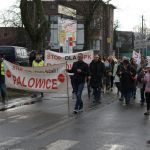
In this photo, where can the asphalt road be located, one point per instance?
(46, 126)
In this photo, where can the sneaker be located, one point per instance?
(146, 113)
(80, 110)
(75, 112)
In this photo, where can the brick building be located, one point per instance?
(101, 27)
(13, 36)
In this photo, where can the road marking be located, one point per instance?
(112, 147)
(17, 116)
(13, 141)
(61, 145)
(23, 117)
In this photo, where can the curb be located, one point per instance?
(11, 106)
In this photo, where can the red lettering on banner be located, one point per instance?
(14, 79)
(19, 81)
(69, 66)
(23, 82)
(54, 84)
(40, 83)
(48, 87)
(16, 67)
(51, 56)
(90, 57)
(87, 57)
(36, 83)
(31, 82)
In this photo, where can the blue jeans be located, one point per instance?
(3, 91)
(78, 92)
(97, 94)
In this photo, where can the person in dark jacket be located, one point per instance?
(81, 72)
(127, 77)
(96, 73)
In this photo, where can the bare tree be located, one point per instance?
(11, 17)
(116, 25)
(34, 21)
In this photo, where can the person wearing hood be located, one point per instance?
(96, 73)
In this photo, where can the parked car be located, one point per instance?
(15, 54)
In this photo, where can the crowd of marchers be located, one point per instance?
(103, 74)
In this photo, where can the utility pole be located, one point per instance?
(142, 24)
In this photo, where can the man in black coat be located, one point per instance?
(81, 72)
(97, 70)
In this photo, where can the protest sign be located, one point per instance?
(52, 58)
(39, 79)
(137, 57)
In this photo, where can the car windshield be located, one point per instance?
(21, 53)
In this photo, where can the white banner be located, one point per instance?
(52, 58)
(137, 57)
(40, 79)
(148, 59)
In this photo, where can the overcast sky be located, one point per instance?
(128, 12)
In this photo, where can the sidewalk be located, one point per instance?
(18, 102)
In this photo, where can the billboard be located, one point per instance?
(66, 29)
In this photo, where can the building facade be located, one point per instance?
(64, 25)
(101, 25)
(13, 36)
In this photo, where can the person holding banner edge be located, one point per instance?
(81, 72)
(38, 62)
(2, 79)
